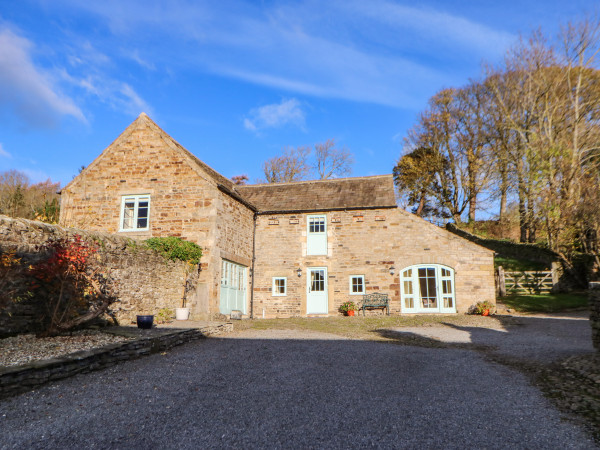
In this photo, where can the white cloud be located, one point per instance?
(118, 95)
(275, 115)
(378, 51)
(135, 56)
(26, 89)
(4, 153)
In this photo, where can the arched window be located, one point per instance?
(427, 288)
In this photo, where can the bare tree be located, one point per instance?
(332, 162)
(292, 165)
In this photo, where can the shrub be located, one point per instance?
(13, 279)
(175, 248)
(71, 284)
(165, 315)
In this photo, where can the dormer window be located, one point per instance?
(135, 213)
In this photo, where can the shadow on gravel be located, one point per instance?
(556, 353)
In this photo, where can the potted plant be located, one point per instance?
(348, 308)
(484, 308)
(183, 313)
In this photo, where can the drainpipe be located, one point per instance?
(252, 269)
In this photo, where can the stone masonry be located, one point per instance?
(363, 242)
(145, 282)
(185, 202)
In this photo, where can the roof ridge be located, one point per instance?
(329, 180)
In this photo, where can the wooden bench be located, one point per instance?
(376, 300)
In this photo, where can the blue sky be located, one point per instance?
(234, 82)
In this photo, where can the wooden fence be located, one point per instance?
(526, 283)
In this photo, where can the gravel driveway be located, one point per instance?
(540, 338)
(291, 389)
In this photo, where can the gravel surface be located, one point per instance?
(291, 389)
(541, 338)
(26, 348)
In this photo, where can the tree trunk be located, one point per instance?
(503, 195)
(421, 206)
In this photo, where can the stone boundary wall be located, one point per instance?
(595, 313)
(144, 281)
(15, 380)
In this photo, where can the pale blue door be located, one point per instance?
(316, 291)
(233, 287)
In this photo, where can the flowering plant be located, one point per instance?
(348, 306)
(481, 307)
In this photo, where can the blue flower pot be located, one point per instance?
(145, 322)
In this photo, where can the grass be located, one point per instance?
(358, 326)
(519, 265)
(545, 302)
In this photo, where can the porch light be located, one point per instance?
(392, 270)
(299, 272)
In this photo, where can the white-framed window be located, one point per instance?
(135, 213)
(279, 286)
(427, 288)
(357, 284)
(316, 235)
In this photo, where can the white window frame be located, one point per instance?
(416, 296)
(275, 292)
(362, 277)
(136, 198)
(316, 242)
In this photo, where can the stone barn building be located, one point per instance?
(277, 250)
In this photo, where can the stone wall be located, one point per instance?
(144, 281)
(185, 201)
(595, 313)
(365, 242)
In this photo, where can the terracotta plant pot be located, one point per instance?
(350, 313)
(485, 312)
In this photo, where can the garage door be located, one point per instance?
(233, 287)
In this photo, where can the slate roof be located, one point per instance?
(320, 195)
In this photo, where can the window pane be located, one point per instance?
(280, 286)
(408, 287)
(427, 287)
(316, 225)
(358, 285)
(407, 273)
(448, 302)
(409, 302)
(128, 211)
(317, 281)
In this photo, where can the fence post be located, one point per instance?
(556, 274)
(500, 282)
